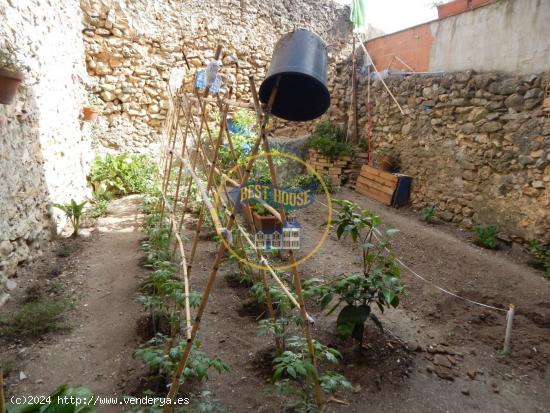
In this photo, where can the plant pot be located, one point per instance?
(265, 223)
(387, 163)
(9, 81)
(89, 114)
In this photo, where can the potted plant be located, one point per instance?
(263, 219)
(90, 112)
(389, 160)
(10, 76)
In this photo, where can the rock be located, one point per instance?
(22, 376)
(444, 373)
(514, 101)
(441, 360)
(465, 391)
(11, 284)
(471, 374)
(5, 248)
(491, 126)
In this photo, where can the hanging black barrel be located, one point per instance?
(300, 61)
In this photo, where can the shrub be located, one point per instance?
(428, 214)
(541, 255)
(99, 208)
(329, 141)
(378, 282)
(485, 235)
(123, 174)
(35, 318)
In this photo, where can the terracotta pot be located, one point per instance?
(89, 114)
(265, 223)
(9, 81)
(387, 163)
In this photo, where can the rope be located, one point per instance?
(405, 266)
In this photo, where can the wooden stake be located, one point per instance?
(509, 323)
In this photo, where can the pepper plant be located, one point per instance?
(377, 283)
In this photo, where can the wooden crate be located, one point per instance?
(376, 184)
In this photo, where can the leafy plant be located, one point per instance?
(35, 318)
(123, 174)
(311, 181)
(64, 399)
(164, 362)
(329, 141)
(294, 373)
(428, 214)
(99, 208)
(74, 212)
(541, 254)
(378, 282)
(485, 235)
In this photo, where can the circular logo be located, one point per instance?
(244, 259)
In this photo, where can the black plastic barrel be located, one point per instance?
(300, 60)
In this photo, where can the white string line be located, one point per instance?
(431, 282)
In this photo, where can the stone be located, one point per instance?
(491, 126)
(444, 373)
(441, 360)
(514, 101)
(5, 248)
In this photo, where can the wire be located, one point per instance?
(431, 282)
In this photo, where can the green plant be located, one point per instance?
(541, 254)
(63, 400)
(164, 362)
(294, 373)
(486, 235)
(428, 214)
(99, 208)
(329, 141)
(74, 211)
(377, 283)
(123, 174)
(35, 318)
(311, 181)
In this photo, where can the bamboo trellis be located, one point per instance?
(186, 124)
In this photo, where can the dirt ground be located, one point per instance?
(438, 354)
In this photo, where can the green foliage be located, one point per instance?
(35, 318)
(74, 212)
(99, 208)
(294, 373)
(329, 141)
(243, 140)
(486, 235)
(379, 283)
(428, 214)
(541, 254)
(311, 181)
(63, 400)
(123, 174)
(164, 362)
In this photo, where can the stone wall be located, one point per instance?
(476, 144)
(43, 154)
(132, 46)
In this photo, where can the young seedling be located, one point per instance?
(74, 212)
(485, 236)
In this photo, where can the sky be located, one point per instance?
(394, 15)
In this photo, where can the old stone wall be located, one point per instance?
(132, 46)
(476, 144)
(43, 154)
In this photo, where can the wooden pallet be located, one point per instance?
(376, 184)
